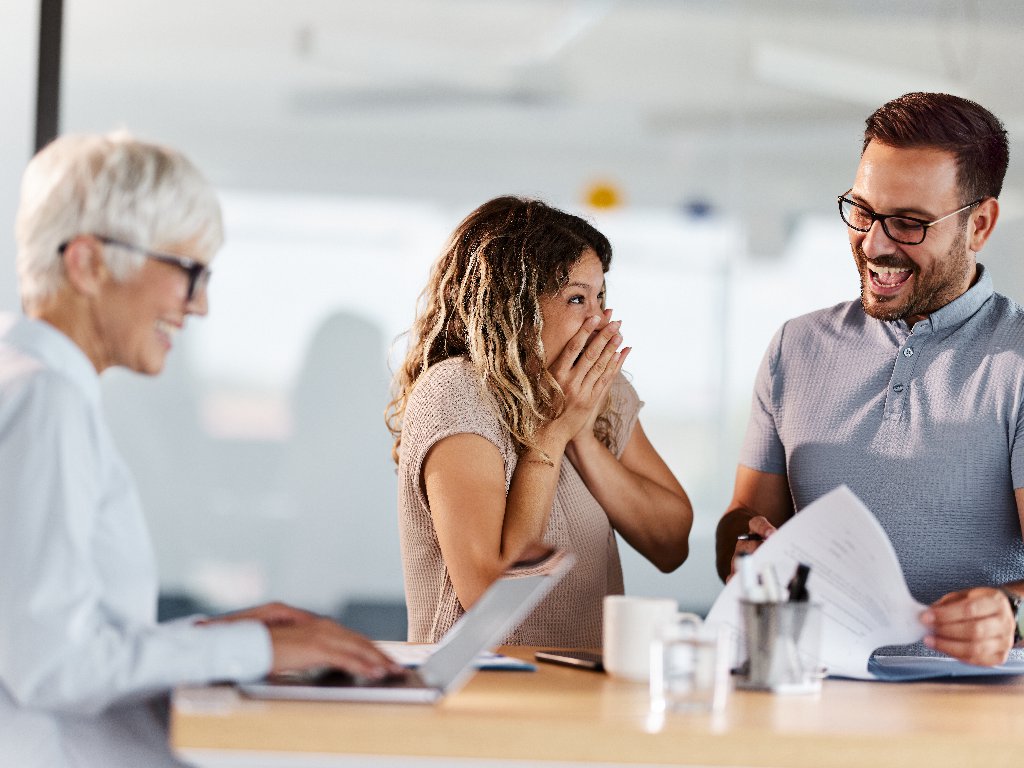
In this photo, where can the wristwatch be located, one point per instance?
(1017, 608)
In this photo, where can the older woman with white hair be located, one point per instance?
(115, 238)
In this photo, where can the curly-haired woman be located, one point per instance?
(515, 430)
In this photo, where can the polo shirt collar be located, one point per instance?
(960, 309)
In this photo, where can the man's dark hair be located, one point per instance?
(975, 137)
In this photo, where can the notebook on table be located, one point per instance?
(502, 607)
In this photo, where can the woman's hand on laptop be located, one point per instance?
(321, 642)
(304, 640)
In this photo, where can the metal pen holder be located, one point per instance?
(783, 647)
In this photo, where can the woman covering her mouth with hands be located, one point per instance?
(516, 431)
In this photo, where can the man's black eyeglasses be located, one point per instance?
(905, 230)
(198, 273)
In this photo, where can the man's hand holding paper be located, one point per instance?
(974, 625)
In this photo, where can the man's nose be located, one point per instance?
(876, 242)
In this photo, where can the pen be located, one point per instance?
(798, 594)
(750, 537)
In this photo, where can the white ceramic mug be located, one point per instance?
(630, 624)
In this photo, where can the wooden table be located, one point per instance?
(563, 714)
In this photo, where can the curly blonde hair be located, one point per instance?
(482, 302)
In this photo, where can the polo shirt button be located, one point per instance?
(897, 388)
(908, 352)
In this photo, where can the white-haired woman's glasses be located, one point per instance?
(198, 273)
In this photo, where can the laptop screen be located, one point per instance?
(494, 615)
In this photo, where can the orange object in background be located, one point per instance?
(603, 195)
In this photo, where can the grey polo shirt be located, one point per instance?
(925, 425)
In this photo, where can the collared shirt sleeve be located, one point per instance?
(74, 638)
(762, 448)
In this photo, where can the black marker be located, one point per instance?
(798, 584)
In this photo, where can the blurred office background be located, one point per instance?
(707, 138)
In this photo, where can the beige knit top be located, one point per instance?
(447, 401)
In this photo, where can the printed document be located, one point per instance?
(856, 577)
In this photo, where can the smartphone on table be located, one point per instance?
(572, 658)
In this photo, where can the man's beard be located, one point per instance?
(930, 292)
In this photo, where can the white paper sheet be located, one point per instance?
(855, 576)
(412, 655)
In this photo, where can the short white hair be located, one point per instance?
(115, 186)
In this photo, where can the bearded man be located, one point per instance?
(914, 395)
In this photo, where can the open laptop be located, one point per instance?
(494, 615)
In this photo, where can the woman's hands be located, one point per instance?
(321, 642)
(585, 370)
(638, 492)
(304, 640)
